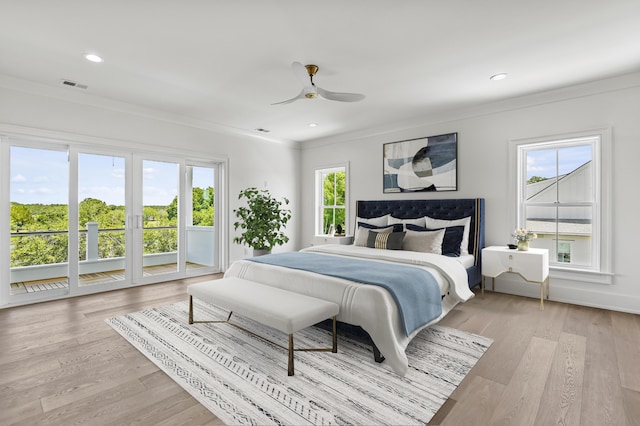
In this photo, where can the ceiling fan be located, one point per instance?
(310, 91)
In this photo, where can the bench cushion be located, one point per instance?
(281, 309)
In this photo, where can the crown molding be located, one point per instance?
(612, 84)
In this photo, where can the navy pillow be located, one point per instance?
(452, 237)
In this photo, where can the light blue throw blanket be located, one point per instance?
(415, 291)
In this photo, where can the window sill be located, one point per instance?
(581, 275)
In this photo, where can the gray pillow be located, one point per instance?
(424, 241)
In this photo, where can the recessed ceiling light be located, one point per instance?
(497, 77)
(92, 57)
(312, 124)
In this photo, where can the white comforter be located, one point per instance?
(368, 306)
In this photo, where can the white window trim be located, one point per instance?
(603, 173)
(318, 195)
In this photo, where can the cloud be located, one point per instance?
(18, 178)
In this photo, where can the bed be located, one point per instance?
(374, 308)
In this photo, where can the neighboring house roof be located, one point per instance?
(538, 191)
(570, 187)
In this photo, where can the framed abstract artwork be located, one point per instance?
(421, 165)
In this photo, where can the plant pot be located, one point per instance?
(523, 245)
(260, 252)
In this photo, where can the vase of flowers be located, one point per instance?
(522, 236)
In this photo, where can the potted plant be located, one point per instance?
(261, 221)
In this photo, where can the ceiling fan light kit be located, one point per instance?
(310, 91)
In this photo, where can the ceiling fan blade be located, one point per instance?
(288, 101)
(340, 97)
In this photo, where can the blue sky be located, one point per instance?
(543, 162)
(41, 176)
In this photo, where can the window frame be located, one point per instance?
(73, 145)
(600, 271)
(319, 196)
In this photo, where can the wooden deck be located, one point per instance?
(90, 279)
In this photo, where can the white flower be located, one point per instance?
(522, 234)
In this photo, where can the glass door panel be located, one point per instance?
(201, 234)
(159, 219)
(101, 219)
(39, 193)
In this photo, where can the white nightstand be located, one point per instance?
(319, 240)
(531, 265)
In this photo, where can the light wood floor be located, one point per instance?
(61, 364)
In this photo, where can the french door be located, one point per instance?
(82, 220)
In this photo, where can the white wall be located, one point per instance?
(483, 149)
(251, 161)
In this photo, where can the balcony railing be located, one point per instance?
(200, 242)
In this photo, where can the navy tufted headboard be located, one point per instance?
(439, 209)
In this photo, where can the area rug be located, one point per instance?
(242, 379)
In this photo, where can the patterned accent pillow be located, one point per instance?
(452, 238)
(385, 240)
(362, 233)
(424, 241)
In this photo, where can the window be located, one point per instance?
(79, 219)
(331, 200)
(564, 252)
(561, 196)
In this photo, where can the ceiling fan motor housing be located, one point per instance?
(310, 92)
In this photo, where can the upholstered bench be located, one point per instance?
(281, 309)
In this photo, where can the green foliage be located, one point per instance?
(91, 210)
(334, 191)
(38, 250)
(51, 247)
(20, 217)
(160, 241)
(262, 220)
(203, 210)
(535, 179)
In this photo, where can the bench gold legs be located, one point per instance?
(290, 368)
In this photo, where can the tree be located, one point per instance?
(202, 207)
(91, 210)
(535, 179)
(334, 195)
(20, 216)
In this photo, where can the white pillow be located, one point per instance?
(375, 221)
(423, 241)
(418, 221)
(442, 223)
(362, 234)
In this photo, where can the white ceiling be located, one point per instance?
(225, 62)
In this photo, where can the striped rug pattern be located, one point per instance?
(243, 379)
